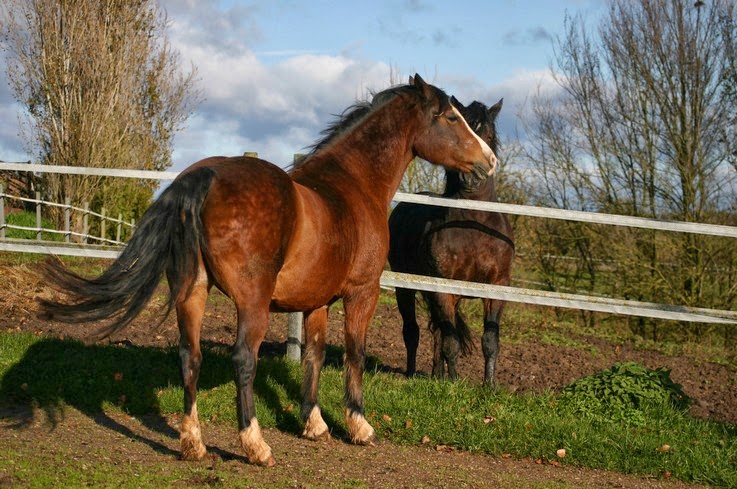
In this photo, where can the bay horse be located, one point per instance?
(461, 244)
(278, 241)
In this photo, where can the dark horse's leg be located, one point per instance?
(314, 358)
(359, 308)
(252, 307)
(490, 339)
(189, 318)
(410, 328)
(446, 343)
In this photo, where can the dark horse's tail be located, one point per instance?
(464, 334)
(168, 238)
(465, 337)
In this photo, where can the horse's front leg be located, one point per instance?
(359, 308)
(410, 328)
(315, 328)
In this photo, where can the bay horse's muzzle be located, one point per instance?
(482, 172)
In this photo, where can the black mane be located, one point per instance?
(355, 113)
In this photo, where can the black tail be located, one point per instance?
(465, 337)
(168, 237)
(464, 334)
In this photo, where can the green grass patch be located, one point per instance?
(51, 373)
(28, 220)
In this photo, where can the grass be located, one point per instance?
(28, 220)
(51, 373)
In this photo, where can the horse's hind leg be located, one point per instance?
(490, 339)
(253, 320)
(447, 345)
(410, 328)
(189, 319)
(315, 328)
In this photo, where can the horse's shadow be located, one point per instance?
(54, 373)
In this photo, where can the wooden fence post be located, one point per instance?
(120, 225)
(86, 222)
(294, 336)
(294, 323)
(38, 215)
(2, 212)
(67, 220)
(103, 221)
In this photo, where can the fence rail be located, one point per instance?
(469, 289)
(67, 232)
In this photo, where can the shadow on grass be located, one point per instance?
(53, 373)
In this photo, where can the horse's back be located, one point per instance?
(408, 224)
(475, 246)
(263, 226)
(452, 243)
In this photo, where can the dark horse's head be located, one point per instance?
(482, 120)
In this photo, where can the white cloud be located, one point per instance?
(275, 110)
(515, 90)
(275, 105)
(251, 104)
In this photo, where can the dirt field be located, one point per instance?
(524, 366)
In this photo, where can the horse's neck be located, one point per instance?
(485, 192)
(376, 167)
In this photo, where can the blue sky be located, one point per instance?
(274, 73)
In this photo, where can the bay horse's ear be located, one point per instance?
(411, 80)
(456, 103)
(418, 82)
(495, 109)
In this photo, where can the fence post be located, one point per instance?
(103, 221)
(67, 220)
(2, 211)
(294, 338)
(251, 154)
(86, 222)
(120, 225)
(38, 215)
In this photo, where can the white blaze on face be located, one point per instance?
(488, 153)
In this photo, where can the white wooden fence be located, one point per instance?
(392, 279)
(67, 232)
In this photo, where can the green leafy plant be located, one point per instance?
(623, 393)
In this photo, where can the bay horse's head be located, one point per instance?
(482, 120)
(447, 138)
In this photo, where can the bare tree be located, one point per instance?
(643, 127)
(421, 176)
(102, 88)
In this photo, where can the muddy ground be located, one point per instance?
(527, 363)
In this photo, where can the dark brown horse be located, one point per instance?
(474, 246)
(273, 241)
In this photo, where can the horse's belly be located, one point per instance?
(312, 275)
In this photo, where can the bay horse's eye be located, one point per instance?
(452, 117)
